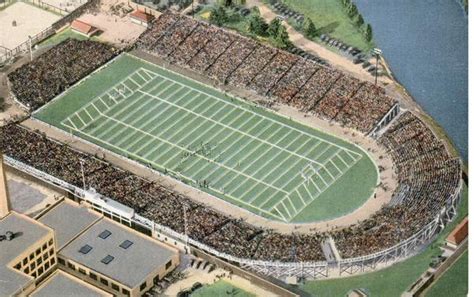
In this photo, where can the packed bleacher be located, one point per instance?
(48, 75)
(427, 175)
(245, 63)
(154, 201)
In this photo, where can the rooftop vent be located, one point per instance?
(85, 249)
(107, 259)
(104, 234)
(126, 244)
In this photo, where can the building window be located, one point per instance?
(39, 261)
(82, 271)
(142, 286)
(60, 261)
(33, 266)
(115, 287)
(40, 271)
(38, 251)
(34, 274)
(32, 256)
(70, 265)
(45, 246)
(18, 266)
(168, 265)
(45, 256)
(51, 252)
(46, 266)
(104, 281)
(25, 261)
(93, 276)
(53, 261)
(125, 292)
(27, 270)
(51, 242)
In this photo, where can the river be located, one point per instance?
(426, 45)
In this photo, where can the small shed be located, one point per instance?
(83, 28)
(458, 234)
(141, 18)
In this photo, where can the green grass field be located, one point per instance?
(244, 154)
(220, 289)
(330, 18)
(392, 281)
(453, 282)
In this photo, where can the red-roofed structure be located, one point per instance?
(458, 234)
(141, 18)
(83, 28)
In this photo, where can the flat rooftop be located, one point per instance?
(68, 219)
(63, 284)
(118, 252)
(27, 232)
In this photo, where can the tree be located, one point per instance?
(274, 27)
(368, 33)
(257, 25)
(282, 39)
(218, 16)
(309, 28)
(352, 10)
(359, 21)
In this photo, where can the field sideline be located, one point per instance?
(210, 140)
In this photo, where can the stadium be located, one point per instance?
(199, 105)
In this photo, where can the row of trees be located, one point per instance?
(353, 13)
(256, 25)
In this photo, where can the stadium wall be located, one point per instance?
(281, 270)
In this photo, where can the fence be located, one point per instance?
(8, 54)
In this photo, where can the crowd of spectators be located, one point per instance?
(427, 176)
(287, 78)
(36, 83)
(154, 201)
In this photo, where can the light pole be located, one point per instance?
(376, 52)
(83, 176)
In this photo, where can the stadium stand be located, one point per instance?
(428, 176)
(287, 78)
(36, 83)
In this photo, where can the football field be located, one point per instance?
(239, 152)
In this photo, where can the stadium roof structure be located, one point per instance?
(26, 233)
(68, 220)
(118, 252)
(60, 282)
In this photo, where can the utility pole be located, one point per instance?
(376, 52)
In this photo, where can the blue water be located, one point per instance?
(426, 44)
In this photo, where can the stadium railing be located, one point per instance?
(308, 270)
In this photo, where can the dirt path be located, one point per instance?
(336, 60)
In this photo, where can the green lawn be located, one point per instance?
(392, 281)
(221, 289)
(63, 35)
(248, 156)
(330, 18)
(454, 282)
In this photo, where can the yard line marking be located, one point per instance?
(251, 111)
(231, 128)
(210, 160)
